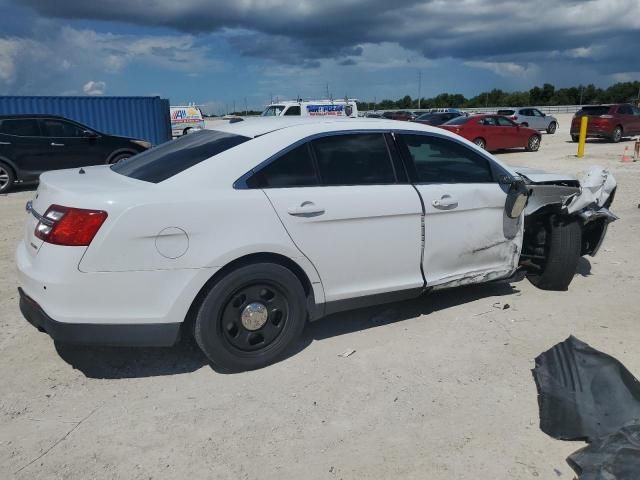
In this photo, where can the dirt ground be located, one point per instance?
(438, 388)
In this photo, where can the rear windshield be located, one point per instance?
(171, 158)
(506, 112)
(595, 110)
(458, 121)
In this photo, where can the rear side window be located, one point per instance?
(173, 157)
(594, 110)
(293, 169)
(59, 128)
(23, 127)
(354, 159)
(458, 121)
(438, 160)
(625, 110)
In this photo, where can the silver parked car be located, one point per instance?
(531, 117)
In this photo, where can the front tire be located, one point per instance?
(551, 129)
(533, 144)
(563, 252)
(575, 138)
(250, 317)
(7, 178)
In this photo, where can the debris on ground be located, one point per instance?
(584, 394)
(347, 353)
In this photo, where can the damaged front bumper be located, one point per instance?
(586, 197)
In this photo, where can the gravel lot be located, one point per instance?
(438, 388)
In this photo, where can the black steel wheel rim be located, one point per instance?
(236, 333)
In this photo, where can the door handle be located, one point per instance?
(306, 209)
(446, 202)
(54, 144)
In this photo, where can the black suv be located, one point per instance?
(32, 144)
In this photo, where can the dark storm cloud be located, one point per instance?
(298, 31)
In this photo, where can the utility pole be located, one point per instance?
(582, 90)
(419, 87)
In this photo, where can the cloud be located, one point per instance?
(296, 31)
(504, 69)
(94, 88)
(58, 59)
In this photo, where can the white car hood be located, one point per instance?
(536, 175)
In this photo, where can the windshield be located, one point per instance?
(458, 121)
(273, 111)
(173, 157)
(595, 110)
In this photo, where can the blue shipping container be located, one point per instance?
(144, 118)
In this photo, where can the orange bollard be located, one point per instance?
(625, 156)
(636, 151)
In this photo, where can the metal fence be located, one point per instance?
(547, 109)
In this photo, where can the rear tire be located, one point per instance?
(575, 138)
(616, 136)
(120, 157)
(563, 253)
(481, 143)
(551, 129)
(7, 178)
(533, 144)
(250, 317)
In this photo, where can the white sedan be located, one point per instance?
(240, 236)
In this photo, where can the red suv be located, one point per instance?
(608, 121)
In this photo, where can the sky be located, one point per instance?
(221, 53)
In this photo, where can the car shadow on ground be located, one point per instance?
(185, 357)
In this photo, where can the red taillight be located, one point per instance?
(514, 117)
(73, 227)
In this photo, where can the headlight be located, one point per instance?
(142, 143)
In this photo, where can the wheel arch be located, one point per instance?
(314, 310)
(119, 151)
(12, 166)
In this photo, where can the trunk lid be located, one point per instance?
(98, 188)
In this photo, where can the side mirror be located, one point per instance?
(89, 134)
(516, 199)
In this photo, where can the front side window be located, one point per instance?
(636, 110)
(22, 127)
(505, 122)
(439, 160)
(354, 159)
(58, 128)
(293, 169)
(175, 156)
(537, 113)
(292, 111)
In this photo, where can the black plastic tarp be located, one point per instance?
(584, 394)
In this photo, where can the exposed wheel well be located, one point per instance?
(263, 257)
(11, 167)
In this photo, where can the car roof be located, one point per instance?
(32, 115)
(256, 127)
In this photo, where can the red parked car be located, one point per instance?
(611, 122)
(494, 132)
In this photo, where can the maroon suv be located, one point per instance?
(608, 121)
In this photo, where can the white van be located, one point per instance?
(184, 119)
(313, 108)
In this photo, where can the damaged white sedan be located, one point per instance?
(240, 236)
